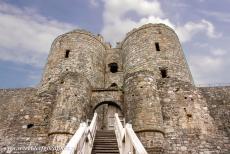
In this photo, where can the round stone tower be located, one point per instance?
(77, 51)
(150, 52)
(75, 66)
(143, 109)
(140, 92)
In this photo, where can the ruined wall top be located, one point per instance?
(98, 37)
(149, 25)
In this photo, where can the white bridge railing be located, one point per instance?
(128, 141)
(82, 140)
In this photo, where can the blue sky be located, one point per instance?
(28, 27)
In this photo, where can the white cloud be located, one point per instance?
(116, 31)
(218, 52)
(115, 9)
(117, 22)
(209, 67)
(26, 36)
(222, 16)
(206, 63)
(187, 31)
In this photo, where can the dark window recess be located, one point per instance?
(157, 46)
(113, 85)
(30, 125)
(189, 115)
(113, 67)
(164, 73)
(67, 53)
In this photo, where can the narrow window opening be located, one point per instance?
(189, 115)
(177, 89)
(157, 46)
(30, 125)
(67, 53)
(113, 67)
(164, 73)
(113, 85)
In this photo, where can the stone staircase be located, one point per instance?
(105, 143)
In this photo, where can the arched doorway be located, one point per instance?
(105, 112)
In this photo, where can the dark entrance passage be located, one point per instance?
(106, 111)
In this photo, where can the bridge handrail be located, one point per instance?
(82, 140)
(119, 131)
(127, 139)
(92, 129)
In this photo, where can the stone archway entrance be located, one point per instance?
(106, 111)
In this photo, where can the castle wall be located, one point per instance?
(86, 56)
(189, 128)
(24, 119)
(218, 100)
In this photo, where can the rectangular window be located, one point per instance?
(164, 73)
(157, 46)
(67, 53)
(113, 67)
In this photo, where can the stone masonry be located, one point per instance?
(146, 77)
